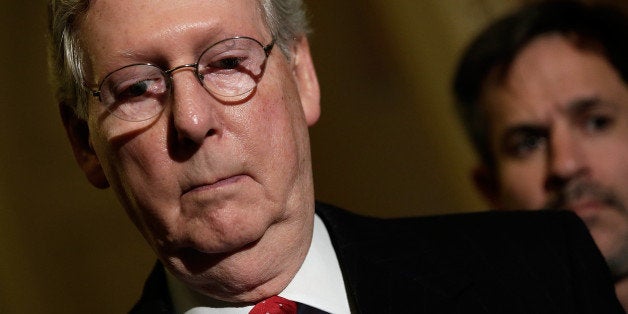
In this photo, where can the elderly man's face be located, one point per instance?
(559, 134)
(216, 188)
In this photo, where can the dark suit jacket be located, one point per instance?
(492, 262)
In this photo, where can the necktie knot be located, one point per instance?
(275, 305)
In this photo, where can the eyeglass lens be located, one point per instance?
(229, 70)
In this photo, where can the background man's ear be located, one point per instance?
(486, 183)
(78, 134)
(307, 81)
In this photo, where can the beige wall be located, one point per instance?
(387, 144)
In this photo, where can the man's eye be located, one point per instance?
(139, 90)
(135, 90)
(227, 63)
(523, 145)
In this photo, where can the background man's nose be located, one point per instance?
(565, 160)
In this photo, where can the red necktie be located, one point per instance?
(275, 305)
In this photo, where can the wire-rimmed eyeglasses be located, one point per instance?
(229, 70)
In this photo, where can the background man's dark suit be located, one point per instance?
(514, 262)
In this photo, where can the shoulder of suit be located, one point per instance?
(487, 221)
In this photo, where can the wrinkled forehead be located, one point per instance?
(119, 28)
(147, 19)
(550, 71)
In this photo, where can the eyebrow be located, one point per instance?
(132, 55)
(582, 105)
(123, 57)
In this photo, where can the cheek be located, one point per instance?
(139, 151)
(277, 133)
(274, 130)
(135, 161)
(142, 179)
(522, 186)
(611, 170)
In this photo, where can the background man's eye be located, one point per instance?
(598, 123)
(520, 146)
(530, 142)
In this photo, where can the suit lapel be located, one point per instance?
(155, 296)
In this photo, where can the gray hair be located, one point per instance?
(286, 20)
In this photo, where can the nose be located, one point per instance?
(566, 159)
(194, 114)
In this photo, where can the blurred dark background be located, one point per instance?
(387, 144)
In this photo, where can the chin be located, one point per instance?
(224, 276)
(209, 243)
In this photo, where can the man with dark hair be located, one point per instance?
(543, 94)
(196, 114)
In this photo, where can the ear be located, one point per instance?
(485, 181)
(306, 79)
(78, 134)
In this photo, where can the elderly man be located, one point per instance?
(543, 93)
(195, 113)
